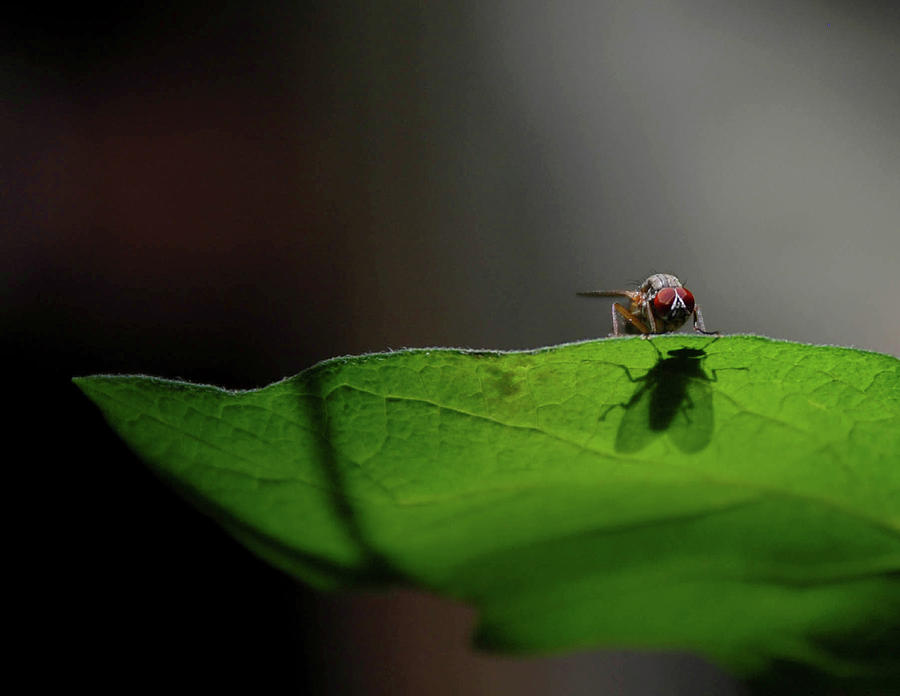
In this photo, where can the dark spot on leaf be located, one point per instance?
(501, 382)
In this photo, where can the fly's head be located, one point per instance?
(672, 306)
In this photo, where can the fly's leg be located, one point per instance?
(617, 330)
(699, 326)
(648, 312)
(618, 309)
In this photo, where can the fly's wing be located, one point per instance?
(630, 294)
(692, 422)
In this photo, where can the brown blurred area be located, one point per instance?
(230, 192)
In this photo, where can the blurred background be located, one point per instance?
(230, 192)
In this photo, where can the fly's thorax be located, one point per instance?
(657, 282)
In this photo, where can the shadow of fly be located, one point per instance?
(673, 397)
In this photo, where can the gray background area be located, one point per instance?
(233, 196)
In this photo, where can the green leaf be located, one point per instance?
(738, 497)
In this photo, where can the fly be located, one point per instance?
(662, 304)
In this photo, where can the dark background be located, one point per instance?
(229, 193)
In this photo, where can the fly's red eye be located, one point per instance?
(663, 300)
(687, 298)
